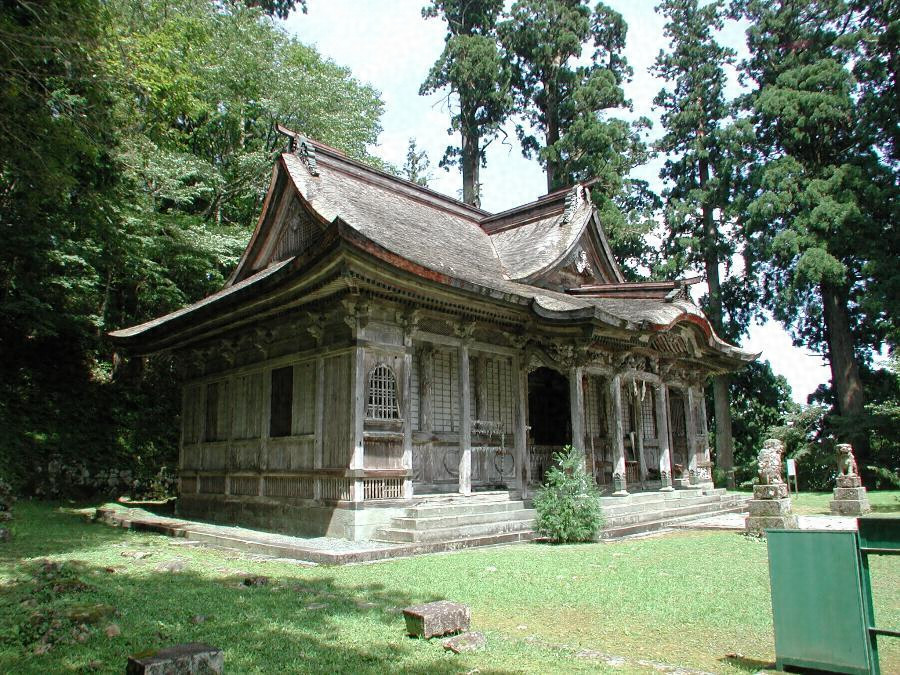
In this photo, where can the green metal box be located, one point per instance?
(817, 601)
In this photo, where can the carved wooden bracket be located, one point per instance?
(356, 313)
(464, 330)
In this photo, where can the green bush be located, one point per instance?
(568, 504)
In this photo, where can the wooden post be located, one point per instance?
(662, 433)
(318, 447)
(691, 433)
(617, 442)
(520, 386)
(465, 422)
(406, 394)
(357, 461)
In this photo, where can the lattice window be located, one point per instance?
(648, 414)
(497, 389)
(699, 418)
(383, 403)
(414, 394)
(627, 410)
(445, 390)
(594, 414)
(300, 233)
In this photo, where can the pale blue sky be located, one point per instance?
(387, 44)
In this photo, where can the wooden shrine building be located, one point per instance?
(379, 341)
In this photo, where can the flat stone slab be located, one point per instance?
(193, 658)
(465, 642)
(737, 521)
(435, 619)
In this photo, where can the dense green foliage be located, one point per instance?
(700, 150)
(568, 503)
(822, 191)
(472, 67)
(138, 138)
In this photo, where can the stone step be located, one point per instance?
(618, 531)
(445, 534)
(455, 497)
(432, 511)
(458, 520)
(625, 508)
(672, 512)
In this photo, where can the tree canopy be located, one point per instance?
(138, 139)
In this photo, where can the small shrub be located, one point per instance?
(568, 504)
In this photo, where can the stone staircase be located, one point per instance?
(455, 521)
(452, 521)
(650, 511)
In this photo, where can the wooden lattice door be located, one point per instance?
(678, 424)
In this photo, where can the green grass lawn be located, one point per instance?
(816, 503)
(698, 600)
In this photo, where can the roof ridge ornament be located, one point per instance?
(575, 198)
(301, 146)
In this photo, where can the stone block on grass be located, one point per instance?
(193, 658)
(435, 619)
(465, 642)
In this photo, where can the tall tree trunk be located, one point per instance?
(721, 398)
(552, 115)
(470, 159)
(845, 378)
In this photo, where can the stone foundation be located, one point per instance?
(770, 508)
(850, 497)
(353, 521)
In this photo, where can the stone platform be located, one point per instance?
(770, 508)
(850, 497)
(439, 523)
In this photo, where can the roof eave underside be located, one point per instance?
(155, 335)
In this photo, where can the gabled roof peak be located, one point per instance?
(341, 162)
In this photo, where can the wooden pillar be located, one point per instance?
(704, 474)
(617, 443)
(406, 402)
(520, 391)
(576, 407)
(465, 422)
(662, 432)
(357, 461)
(691, 432)
(318, 443)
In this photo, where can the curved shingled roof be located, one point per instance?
(448, 238)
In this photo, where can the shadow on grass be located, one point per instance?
(299, 620)
(748, 664)
(886, 508)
